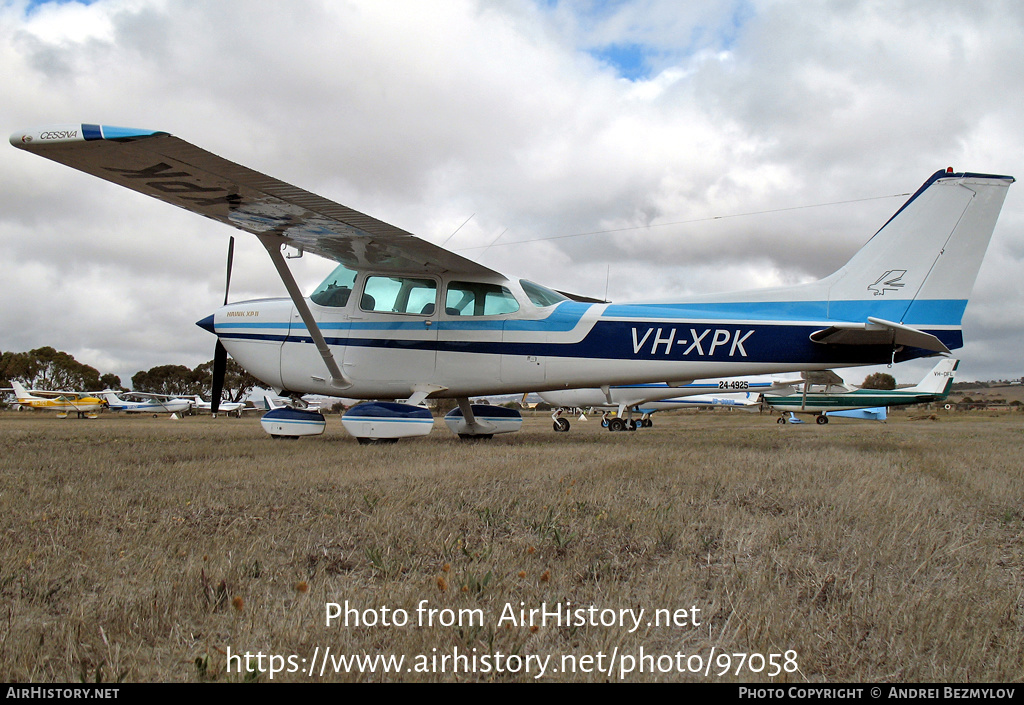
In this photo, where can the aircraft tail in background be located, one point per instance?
(940, 380)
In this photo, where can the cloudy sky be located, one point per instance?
(592, 146)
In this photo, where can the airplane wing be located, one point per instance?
(150, 396)
(172, 170)
(823, 377)
(57, 394)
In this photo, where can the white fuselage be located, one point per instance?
(564, 345)
(149, 406)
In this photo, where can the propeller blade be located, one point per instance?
(220, 364)
(220, 353)
(231, 255)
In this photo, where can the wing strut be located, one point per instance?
(273, 245)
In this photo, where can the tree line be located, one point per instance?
(47, 368)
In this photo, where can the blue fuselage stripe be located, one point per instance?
(926, 312)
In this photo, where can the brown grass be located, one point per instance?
(143, 549)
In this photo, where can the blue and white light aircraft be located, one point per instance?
(646, 399)
(146, 403)
(401, 318)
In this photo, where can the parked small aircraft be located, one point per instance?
(226, 407)
(63, 403)
(147, 403)
(401, 318)
(276, 402)
(649, 398)
(824, 394)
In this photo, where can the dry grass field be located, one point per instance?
(141, 549)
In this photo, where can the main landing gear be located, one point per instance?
(820, 419)
(616, 423)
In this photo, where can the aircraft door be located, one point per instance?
(469, 354)
(392, 333)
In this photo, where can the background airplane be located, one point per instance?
(401, 318)
(648, 398)
(147, 403)
(271, 401)
(819, 397)
(742, 400)
(63, 403)
(226, 407)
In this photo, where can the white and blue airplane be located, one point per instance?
(403, 319)
(646, 399)
(227, 407)
(146, 403)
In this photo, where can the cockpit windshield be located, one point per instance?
(336, 288)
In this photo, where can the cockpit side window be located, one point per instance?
(541, 295)
(336, 288)
(399, 295)
(477, 299)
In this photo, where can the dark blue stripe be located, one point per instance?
(486, 411)
(289, 414)
(615, 340)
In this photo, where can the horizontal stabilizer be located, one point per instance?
(878, 332)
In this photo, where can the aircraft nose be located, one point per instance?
(207, 324)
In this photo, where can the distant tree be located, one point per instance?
(10, 367)
(879, 380)
(111, 381)
(47, 368)
(237, 382)
(168, 379)
(441, 407)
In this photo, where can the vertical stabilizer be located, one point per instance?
(20, 391)
(920, 268)
(940, 380)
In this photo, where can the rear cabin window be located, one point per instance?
(476, 299)
(399, 295)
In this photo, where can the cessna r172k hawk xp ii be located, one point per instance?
(403, 319)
